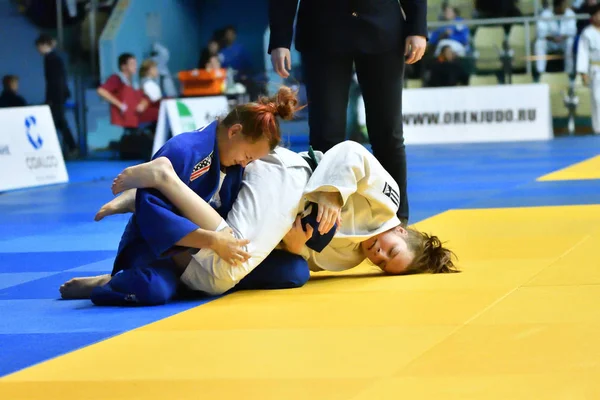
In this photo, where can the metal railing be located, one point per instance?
(526, 21)
(571, 100)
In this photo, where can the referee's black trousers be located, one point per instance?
(328, 76)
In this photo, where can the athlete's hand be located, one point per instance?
(297, 237)
(330, 211)
(229, 248)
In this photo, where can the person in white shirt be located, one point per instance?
(352, 190)
(556, 35)
(149, 80)
(588, 63)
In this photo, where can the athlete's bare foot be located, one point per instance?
(81, 288)
(146, 175)
(125, 203)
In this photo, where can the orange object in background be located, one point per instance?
(202, 82)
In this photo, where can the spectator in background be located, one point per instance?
(120, 90)
(454, 35)
(57, 90)
(208, 53)
(588, 63)
(151, 89)
(581, 7)
(213, 63)
(149, 81)
(555, 35)
(10, 96)
(233, 54)
(446, 71)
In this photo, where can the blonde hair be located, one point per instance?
(146, 66)
(431, 257)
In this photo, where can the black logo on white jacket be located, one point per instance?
(392, 193)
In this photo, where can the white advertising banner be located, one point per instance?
(30, 153)
(185, 115)
(475, 114)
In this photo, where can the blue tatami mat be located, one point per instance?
(87, 171)
(47, 236)
(536, 194)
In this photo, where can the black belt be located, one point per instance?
(311, 159)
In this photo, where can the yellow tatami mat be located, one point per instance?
(588, 169)
(521, 322)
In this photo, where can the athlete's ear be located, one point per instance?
(234, 130)
(401, 231)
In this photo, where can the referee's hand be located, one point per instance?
(415, 48)
(282, 61)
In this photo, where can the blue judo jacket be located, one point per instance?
(151, 233)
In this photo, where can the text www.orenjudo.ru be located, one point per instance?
(471, 117)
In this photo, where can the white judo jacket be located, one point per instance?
(370, 202)
(277, 188)
(588, 51)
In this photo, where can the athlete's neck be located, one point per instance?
(221, 137)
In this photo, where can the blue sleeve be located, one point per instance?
(157, 218)
(435, 35)
(461, 35)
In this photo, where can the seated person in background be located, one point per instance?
(555, 35)
(126, 100)
(213, 64)
(454, 35)
(149, 78)
(233, 54)
(151, 90)
(447, 71)
(208, 53)
(9, 96)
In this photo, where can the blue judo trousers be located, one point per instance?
(143, 272)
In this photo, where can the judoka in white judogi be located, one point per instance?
(277, 188)
(588, 64)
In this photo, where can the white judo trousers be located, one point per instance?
(264, 211)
